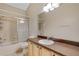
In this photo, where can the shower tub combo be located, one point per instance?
(13, 49)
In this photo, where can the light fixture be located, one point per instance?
(45, 9)
(50, 7)
(21, 21)
(55, 5)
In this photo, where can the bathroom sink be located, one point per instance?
(46, 42)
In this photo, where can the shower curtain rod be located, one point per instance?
(23, 16)
(14, 17)
(5, 11)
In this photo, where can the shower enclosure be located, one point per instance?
(8, 32)
(11, 30)
(22, 30)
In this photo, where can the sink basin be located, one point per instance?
(46, 42)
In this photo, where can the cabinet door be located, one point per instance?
(35, 50)
(30, 52)
(52, 53)
(45, 52)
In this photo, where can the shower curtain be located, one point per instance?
(22, 29)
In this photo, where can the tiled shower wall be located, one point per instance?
(8, 32)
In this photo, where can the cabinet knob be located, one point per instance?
(39, 47)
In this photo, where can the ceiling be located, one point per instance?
(22, 6)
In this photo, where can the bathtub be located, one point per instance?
(8, 49)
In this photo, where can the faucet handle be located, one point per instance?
(49, 37)
(0, 38)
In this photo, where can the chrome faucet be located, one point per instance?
(48, 38)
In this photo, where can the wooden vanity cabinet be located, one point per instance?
(56, 54)
(45, 52)
(33, 49)
(30, 48)
(36, 50)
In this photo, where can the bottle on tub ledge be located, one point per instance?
(32, 37)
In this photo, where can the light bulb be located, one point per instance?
(55, 5)
(51, 9)
(45, 9)
(48, 6)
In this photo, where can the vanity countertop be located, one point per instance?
(58, 47)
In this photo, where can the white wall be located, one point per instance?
(63, 22)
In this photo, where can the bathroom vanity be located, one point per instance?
(56, 49)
